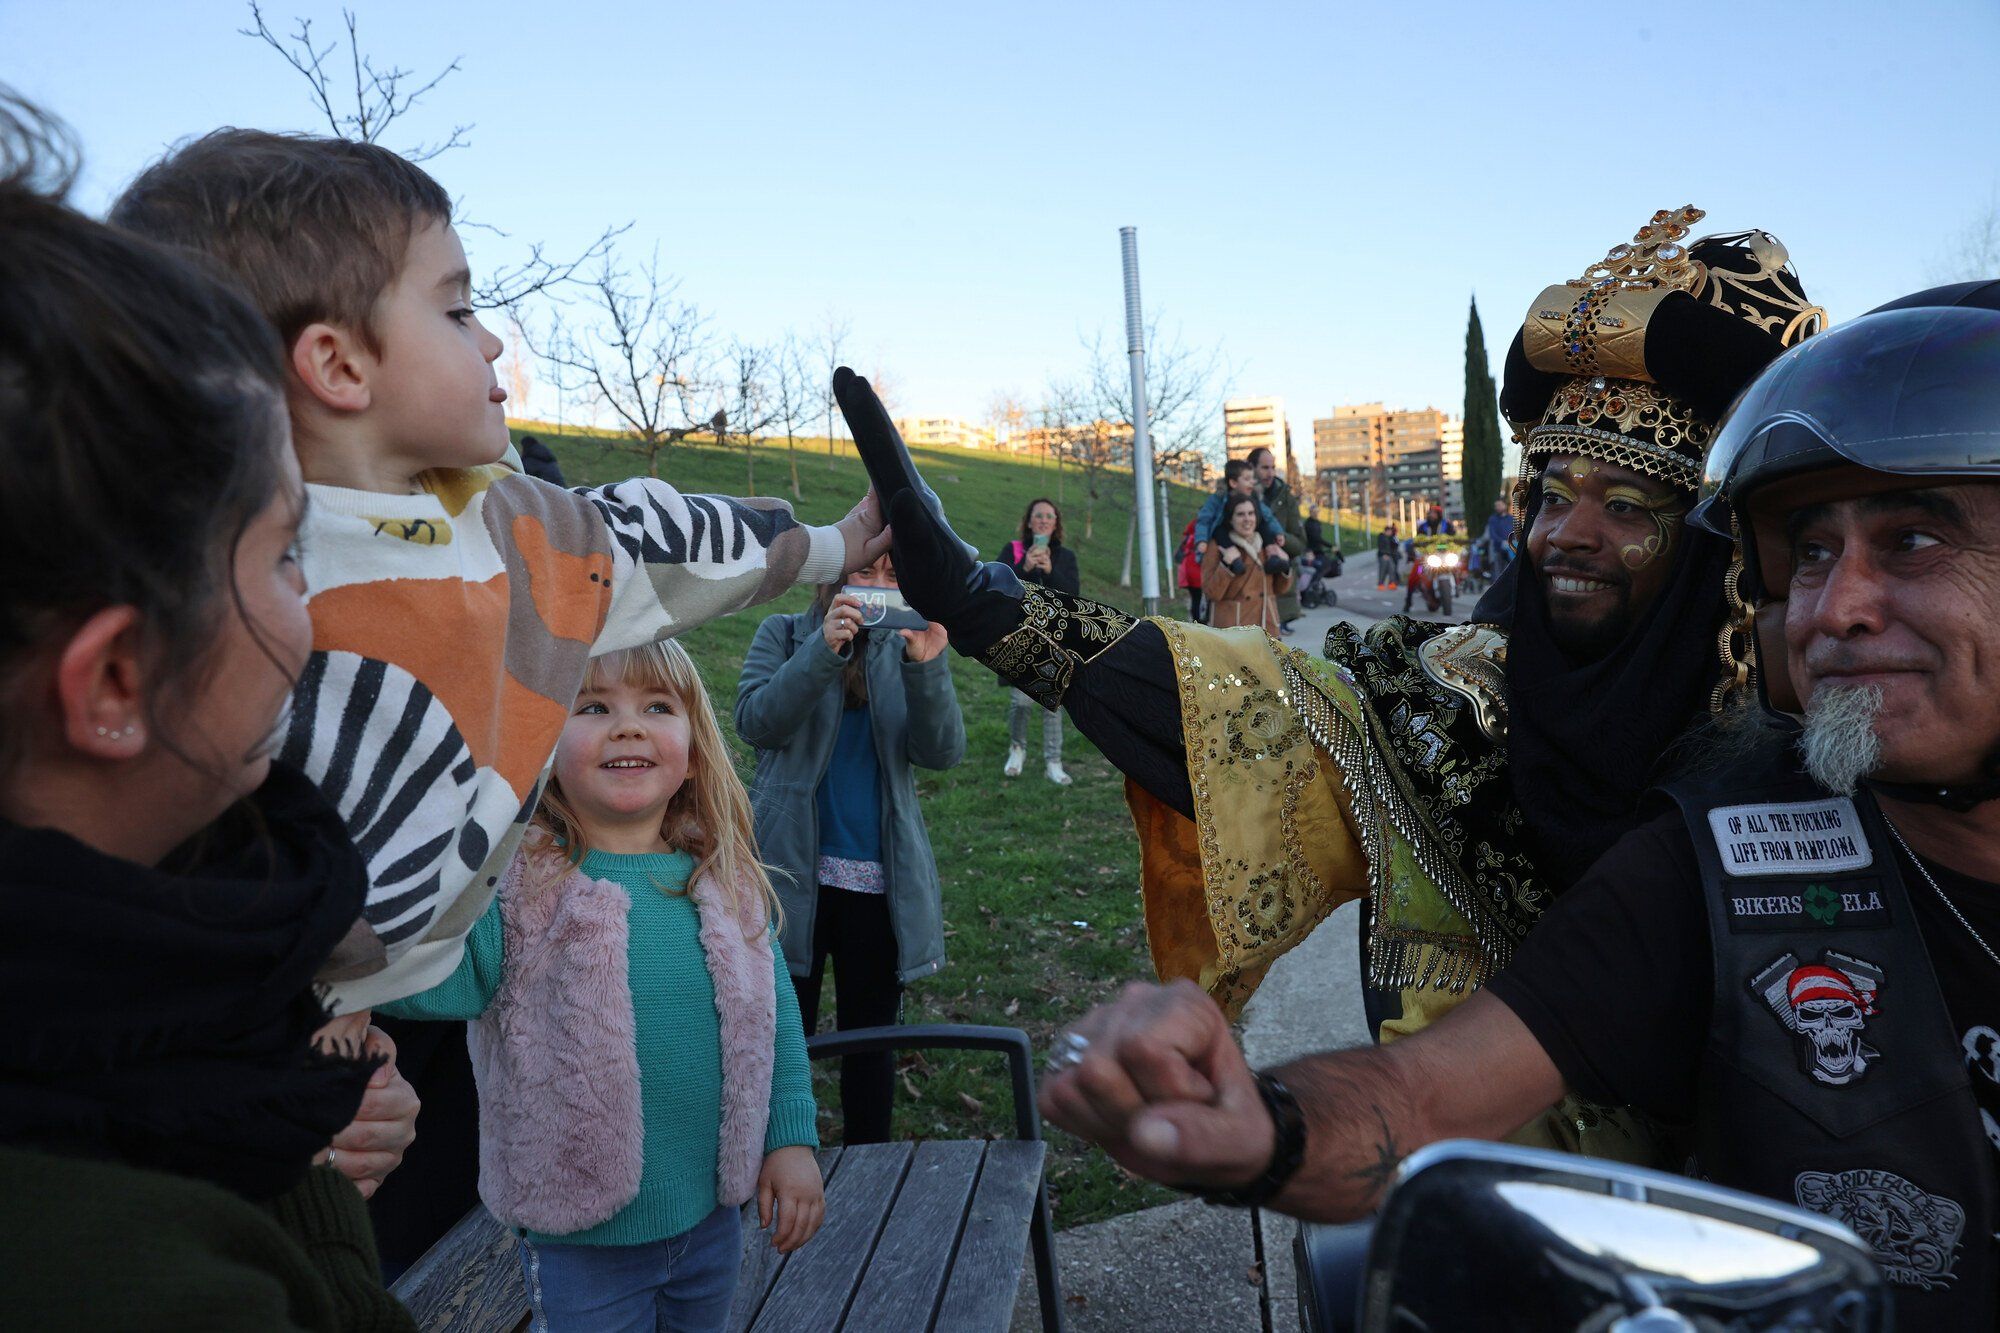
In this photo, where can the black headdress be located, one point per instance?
(1632, 364)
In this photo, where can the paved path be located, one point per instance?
(1187, 1265)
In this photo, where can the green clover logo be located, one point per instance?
(1822, 904)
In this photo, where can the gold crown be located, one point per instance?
(1596, 324)
(1626, 423)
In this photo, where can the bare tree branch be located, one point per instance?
(379, 95)
(1974, 251)
(636, 351)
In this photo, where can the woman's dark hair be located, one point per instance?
(1027, 535)
(1229, 507)
(141, 418)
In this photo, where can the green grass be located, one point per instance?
(1041, 902)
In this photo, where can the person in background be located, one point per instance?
(841, 718)
(174, 897)
(1499, 539)
(1388, 558)
(1276, 493)
(1315, 532)
(1240, 577)
(1190, 574)
(539, 461)
(1039, 556)
(641, 1065)
(1238, 478)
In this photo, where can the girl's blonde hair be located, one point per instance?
(709, 817)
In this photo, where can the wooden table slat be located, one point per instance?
(986, 1272)
(761, 1263)
(906, 1279)
(470, 1279)
(813, 1288)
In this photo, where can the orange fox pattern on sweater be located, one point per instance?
(451, 633)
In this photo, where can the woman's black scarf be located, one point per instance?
(1586, 740)
(161, 1016)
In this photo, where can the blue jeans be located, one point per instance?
(683, 1284)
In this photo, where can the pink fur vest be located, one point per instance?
(561, 1138)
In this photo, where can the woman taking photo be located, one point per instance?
(842, 716)
(1240, 588)
(1039, 556)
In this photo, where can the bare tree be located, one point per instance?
(1009, 417)
(832, 345)
(363, 100)
(1185, 387)
(1974, 252)
(1073, 431)
(795, 397)
(749, 404)
(638, 352)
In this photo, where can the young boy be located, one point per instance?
(1238, 478)
(455, 602)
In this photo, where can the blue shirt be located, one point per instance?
(850, 791)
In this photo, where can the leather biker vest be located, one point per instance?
(1832, 1077)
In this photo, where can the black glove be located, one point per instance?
(891, 471)
(944, 584)
(1277, 566)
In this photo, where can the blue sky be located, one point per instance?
(1318, 188)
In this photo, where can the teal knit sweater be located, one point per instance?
(679, 1040)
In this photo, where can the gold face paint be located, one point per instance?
(1581, 467)
(1664, 510)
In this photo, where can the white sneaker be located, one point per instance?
(1017, 755)
(1057, 775)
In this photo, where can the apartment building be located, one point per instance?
(1374, 457)
(945, 432)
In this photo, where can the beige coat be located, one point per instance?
(1248, 598)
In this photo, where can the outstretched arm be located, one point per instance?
(1163, 1088)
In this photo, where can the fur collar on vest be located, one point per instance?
(561, 1136)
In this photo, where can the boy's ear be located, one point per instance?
(98, 686)
(333, 365)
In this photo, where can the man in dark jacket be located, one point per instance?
(539, 462)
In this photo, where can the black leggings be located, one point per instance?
(853, 928)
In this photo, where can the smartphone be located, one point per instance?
(1041, 540)
(884, 608)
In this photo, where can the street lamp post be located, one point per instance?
(1142, 440)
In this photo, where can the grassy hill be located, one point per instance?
(1041, 899)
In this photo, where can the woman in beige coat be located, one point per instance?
(1233, 577)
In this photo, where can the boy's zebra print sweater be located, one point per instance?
(451, 630)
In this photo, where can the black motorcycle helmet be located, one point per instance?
(1907, 395)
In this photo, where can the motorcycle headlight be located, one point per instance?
(1451, 561)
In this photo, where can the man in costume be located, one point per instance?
(1818, 916)
(1457, 776)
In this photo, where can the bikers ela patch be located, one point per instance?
(1791, 838)
(1826, 1007)
(1848, 903)
(1914, 1234)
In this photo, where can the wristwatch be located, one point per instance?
(1288, 1150)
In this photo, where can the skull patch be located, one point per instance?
(1826, 1006)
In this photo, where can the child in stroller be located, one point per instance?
(1317, 570)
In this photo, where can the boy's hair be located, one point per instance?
(710, 815)
(1235, 468)
(141, 429)
(314, 229)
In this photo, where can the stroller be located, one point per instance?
(1317, 588)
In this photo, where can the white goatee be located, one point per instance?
(1839, 743)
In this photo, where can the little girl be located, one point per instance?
(641, 1067)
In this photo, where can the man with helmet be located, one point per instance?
(1799, 959)
(1460, 777)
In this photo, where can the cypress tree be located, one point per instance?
(1482, 426)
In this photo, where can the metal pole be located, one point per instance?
(1166, 541)
(1142, 439)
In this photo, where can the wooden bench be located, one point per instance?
(918, 1236)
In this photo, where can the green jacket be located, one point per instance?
(98, 1245)
(1280, 501)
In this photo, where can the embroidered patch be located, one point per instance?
(1913, 1233)
(1847, 903)
(1795, 838)
(1826, 1006)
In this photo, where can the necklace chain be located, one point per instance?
(1938, 889)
